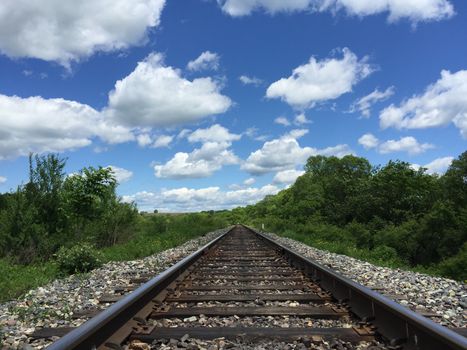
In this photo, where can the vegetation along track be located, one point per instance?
(245, 275)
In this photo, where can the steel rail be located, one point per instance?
(94, 332)
(393, 321)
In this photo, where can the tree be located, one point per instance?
(88, 195)
(46, 177)
(455, 181)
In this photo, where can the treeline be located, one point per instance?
(53, 210)
(393, 214)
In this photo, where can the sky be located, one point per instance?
(205, 104)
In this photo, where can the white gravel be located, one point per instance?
(52, 305)
(443, 296)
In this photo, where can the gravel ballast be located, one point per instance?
(443, 296)
(52, 305)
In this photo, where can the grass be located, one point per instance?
(15, 280)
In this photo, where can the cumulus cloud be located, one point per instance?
(62, 31)
(442, 103)
(188, 199)
(363, 105)
(245, 184)
(252, 133)
(407, 144)
(414, 10)
(285, 153)
(368, 141)
(338, 151)
(301, 119)
(282, 121)
(287, 176)
(204, 161)
(162, 141)
(437, 166)
(143, 140)
(35, 124)
(121, 175)
(318, 81)
(206, 61)
(3, 179)
(155, 95)
(216, 133)
(246, 80)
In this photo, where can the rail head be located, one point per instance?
(98, 329)
(397, 323)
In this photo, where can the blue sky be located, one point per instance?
(214, 104)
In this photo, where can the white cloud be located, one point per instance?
(282, 121)
(250, 181)
(155, 95)
(63, 31)
(275, 155)
(405, 144)
(296, 133)
(301, 119)
(143, 140)
(35, 124)
(162, 141)
(206, 61)
(368, 141)
(3, 179)
(287, 176)
(414, 10)
(253, 134)
(364, 104)
(245, 184)
(188, 199)
(215, 133)
(285, 153)
(338, 151)
(318, 81)
(439, 165)
(246, 80)
(121, 175)
(183, 133)
(442, 103)
(201, 162)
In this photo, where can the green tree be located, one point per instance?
(455, 181)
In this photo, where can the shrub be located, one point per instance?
(454, 267)
(77, 259)
(385, 253)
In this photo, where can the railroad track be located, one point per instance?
(241, 285)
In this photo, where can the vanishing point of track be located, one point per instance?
(244, 273)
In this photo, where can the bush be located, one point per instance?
(385, 253)
(77, 259)
(454, 267)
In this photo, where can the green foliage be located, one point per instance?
(455, 266)
(78, 259)
(391, 215)
(16, 279)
